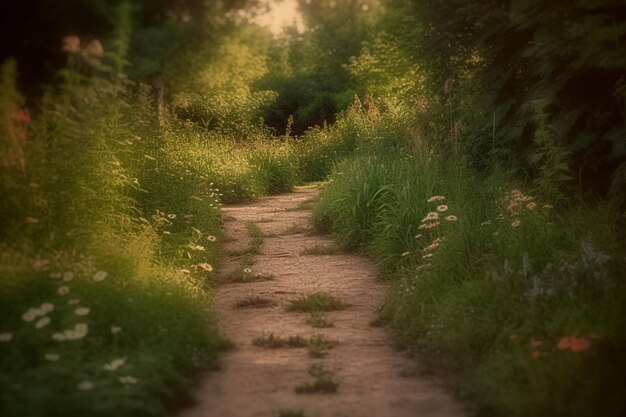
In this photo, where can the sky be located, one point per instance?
(282, 13)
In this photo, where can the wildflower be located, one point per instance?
(442, 208)
(6, 337)
(436, 198)
(205, 266)
(247, 270)
(59, 337)
(429, 225)
(81, 311)
(71, 44)
(116, 363)
(46, 308)
(52, 357)
(74, 301)
(42, 322)
(78, 332)
(531, 206)
(115, 329)
(516, 223)
(536, 354)
(63, 290)
(211, 238)
(405, 254)
(536, 343)
(21, 116)
(99, 276)
(68, 276)
(451, 218)
(574, 344)
(431, 247)
(128, 379)
(94, 48)
(30, 315)
(580, 344)
(430, 216)
(85, 385)
(81, 328)
(171, 216)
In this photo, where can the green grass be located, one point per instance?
(273, 342)
(319, 320)
(322, 249)
(296, 229)
(256, 241)
(317, 345)
(324, 381)
(245, 273)
(290, 413)
(315, 302)
(465, 287)
(254, 301)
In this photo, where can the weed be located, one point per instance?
(322, 249)
(290, 413)
(315, 302)
(325, 381)
(273, 342)
(318, 320)
(318, 346)
(255, 243)
(254, 301)
(296, 229)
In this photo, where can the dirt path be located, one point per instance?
(374, 379)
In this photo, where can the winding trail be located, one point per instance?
(375, 380)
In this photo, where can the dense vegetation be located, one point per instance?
(475, 150)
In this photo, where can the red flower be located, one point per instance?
(21, 116)
(565, 343)
(574, 344)
(536, 343)
(580, 345)
(536, 354)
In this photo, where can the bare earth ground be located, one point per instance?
(375, 380)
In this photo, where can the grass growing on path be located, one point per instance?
(254, 301)
(315, 302)
(324, 381)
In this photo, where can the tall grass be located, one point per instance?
(519, 295)
(109, 241)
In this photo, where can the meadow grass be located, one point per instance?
(520, 296)
(109, 243)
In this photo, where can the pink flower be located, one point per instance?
(94, 48)
(71, 44)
